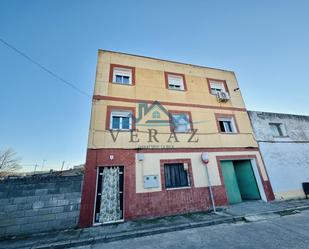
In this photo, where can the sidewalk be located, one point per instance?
(77, 237)
(253, 207)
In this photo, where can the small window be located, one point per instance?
(121, 120)
(122, 76)
(175, 82)
(227, 125)
(181, 122)
(176, 176)
(277, 129)
(156, 114)
(216, 86)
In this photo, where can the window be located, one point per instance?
(180, 122)
(175, 81)
(122, 75)
(155, 114)
(176, 175)
(121, 120)
(216, 86)
(227, 125)
(277, 129)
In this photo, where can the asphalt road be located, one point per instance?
(290, 231)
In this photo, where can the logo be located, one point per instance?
(154, 124)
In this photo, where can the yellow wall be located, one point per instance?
(151, 166)
(292, 194)
(206, 125)
(150, 85)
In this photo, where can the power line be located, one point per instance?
(55, 75)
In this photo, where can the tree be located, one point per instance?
(9, 162)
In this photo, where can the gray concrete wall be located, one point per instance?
(286, 158)
(296, 126)
(39, 204)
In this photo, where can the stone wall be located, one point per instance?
(39, 203)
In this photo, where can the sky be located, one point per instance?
(266, 43)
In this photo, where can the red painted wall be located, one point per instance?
(139, 205)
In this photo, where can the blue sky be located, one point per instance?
(266, 43)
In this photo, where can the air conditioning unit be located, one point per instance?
(223, 96)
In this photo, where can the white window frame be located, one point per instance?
(121, 114)
(188, 128)
(175, 82)
(216, 86)
(233, 125)
(123, 72)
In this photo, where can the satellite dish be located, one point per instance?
(205, 157)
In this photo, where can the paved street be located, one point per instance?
(285, 232)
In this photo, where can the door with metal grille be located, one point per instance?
(109, 197)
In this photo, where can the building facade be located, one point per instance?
(151, 121)
(284, 143)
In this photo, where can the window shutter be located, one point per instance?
(175, 81)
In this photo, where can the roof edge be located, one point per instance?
(154, 58)
(279, 113)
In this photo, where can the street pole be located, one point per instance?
(62, 166)
(205, 159)
(35, 168)
(43, 165)
(210, 190)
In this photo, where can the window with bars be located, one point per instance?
(176, 176)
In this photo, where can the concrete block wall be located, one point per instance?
(39, 204)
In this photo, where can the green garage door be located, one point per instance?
(246, 180)
(230, 181)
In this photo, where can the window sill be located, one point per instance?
(122, 84)
(178, 90)
(188, 187)
(229, 133)
(128, 130)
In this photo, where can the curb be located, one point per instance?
(282, 212)
(152, 231)
(299, 208)
(136, 234)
